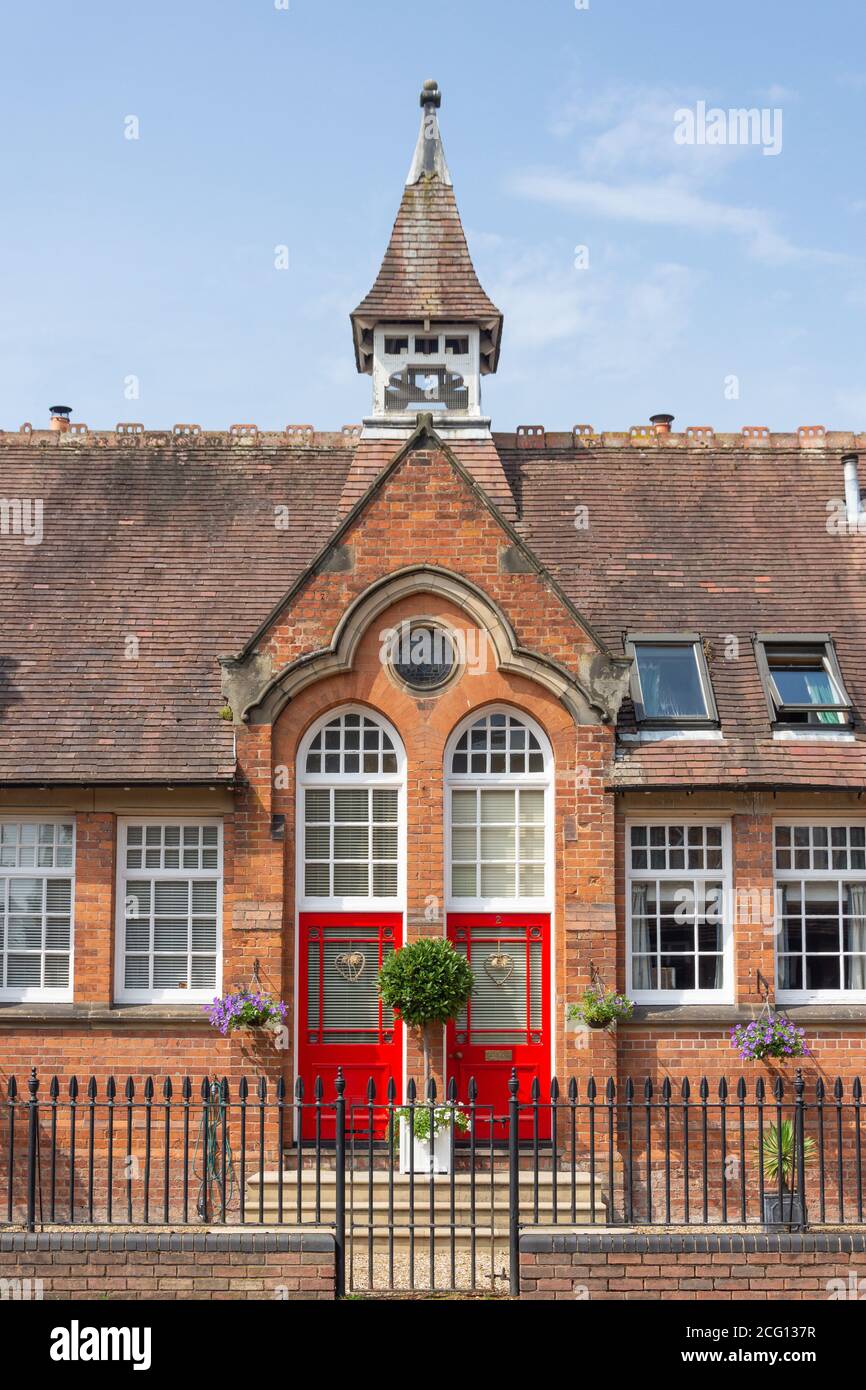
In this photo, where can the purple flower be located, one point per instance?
(773, 1037)
(246, 1008)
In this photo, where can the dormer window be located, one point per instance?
(670, 682)
(395, 346)
(427, 347)
(802, 681)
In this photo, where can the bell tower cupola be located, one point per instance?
(427, 332)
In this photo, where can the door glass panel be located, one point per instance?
(343, 1005)
(498, 1007)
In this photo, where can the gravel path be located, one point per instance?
(491, 1272)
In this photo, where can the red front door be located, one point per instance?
(342, 1022)
(507, 1022)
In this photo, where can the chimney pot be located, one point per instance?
(662, 423)
(60, 418)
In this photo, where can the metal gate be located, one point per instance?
(424, 1217)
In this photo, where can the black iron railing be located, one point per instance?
(406, 1213)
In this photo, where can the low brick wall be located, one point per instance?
(660, 1266)
(168, 1265)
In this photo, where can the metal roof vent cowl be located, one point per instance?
(851, 472)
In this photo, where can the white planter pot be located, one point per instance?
(415, 1153)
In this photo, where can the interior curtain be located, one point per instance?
(719, 978)
(640, 936)
(821, 691)
(658, 697)
(784, 961)
(857, 905)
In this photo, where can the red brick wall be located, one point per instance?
(653, 1268)
(163, 1266)
(93, 966)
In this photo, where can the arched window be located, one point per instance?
(351, 775)
(499, 769)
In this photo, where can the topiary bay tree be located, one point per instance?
(426, 983)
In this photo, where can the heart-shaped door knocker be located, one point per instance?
(499, 966)
(350, 964)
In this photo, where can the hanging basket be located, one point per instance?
(769, 1038)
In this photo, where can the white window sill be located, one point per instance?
(677, 997)
(350, 905)
(814, 736)
(175, 996)
(498, 905)
(35, 996)
(674, 736)
(826, 996)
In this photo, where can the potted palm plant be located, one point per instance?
(782, 1206)
(427, 983)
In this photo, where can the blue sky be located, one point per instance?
(154, 258)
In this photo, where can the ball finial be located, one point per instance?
(430, 93)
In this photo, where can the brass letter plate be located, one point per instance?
(502, 1054)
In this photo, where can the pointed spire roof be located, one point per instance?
(427, 273)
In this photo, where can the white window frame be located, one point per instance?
(332, 780)
(29, 993)
(123, 995)
(780, 876)
(523, 781)
(725, 995)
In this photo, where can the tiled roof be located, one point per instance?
(427, 271)
(726, 535)
(186, 542)
(184, 546)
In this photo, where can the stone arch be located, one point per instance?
(258, 697)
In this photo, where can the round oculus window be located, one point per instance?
(423, 656)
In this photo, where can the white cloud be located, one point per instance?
(610, 320)
(664, 203)
(632, 129)
(627, 167)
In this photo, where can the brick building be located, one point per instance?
(271, 704)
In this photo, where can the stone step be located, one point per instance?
(490, 1208)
